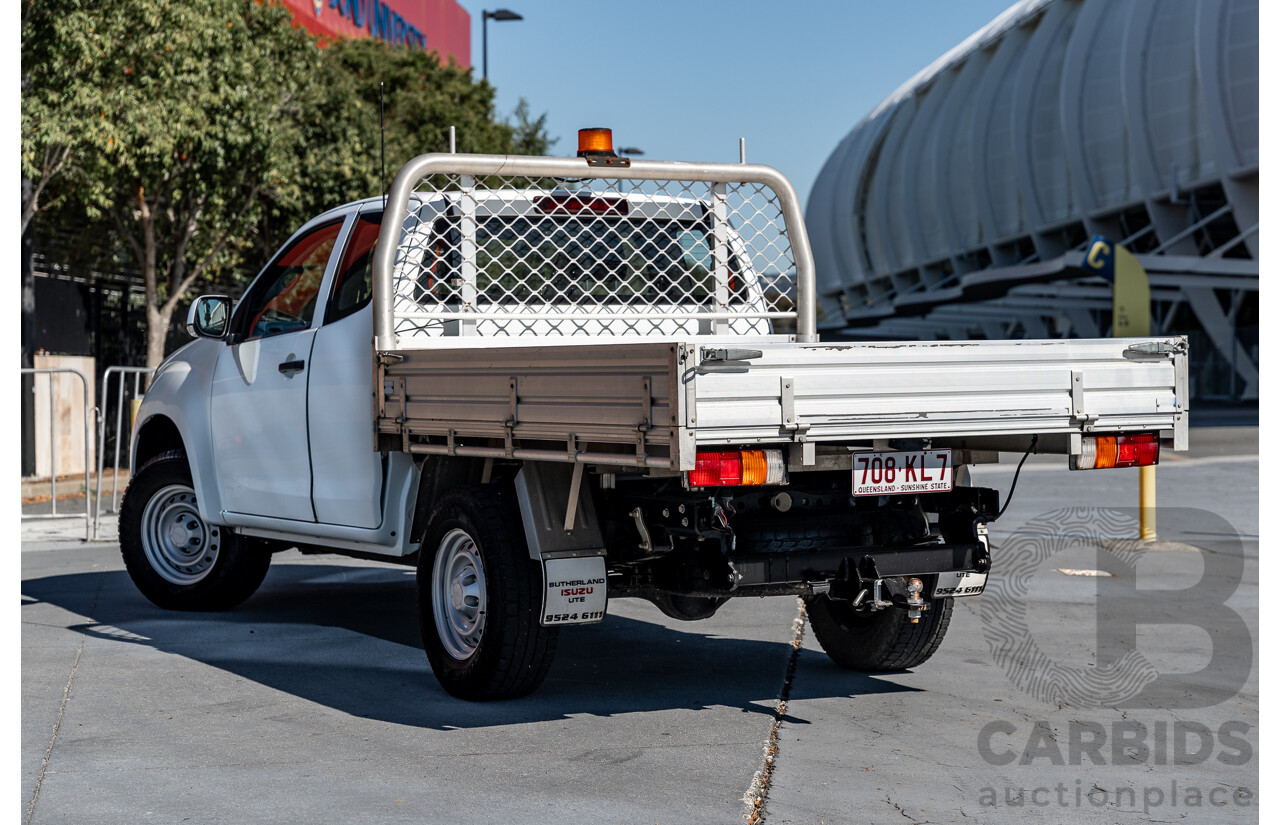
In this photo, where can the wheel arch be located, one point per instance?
(439, 475)
(174, 415)
(156, 435)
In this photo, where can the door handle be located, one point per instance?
(291, 367)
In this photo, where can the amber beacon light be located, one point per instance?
(595, 142)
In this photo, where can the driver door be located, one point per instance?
(259, 400)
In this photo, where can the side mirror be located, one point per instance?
(209, 316)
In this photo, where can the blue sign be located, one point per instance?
(381, 20)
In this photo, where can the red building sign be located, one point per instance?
(441, 26)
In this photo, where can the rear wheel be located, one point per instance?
(479, 596)
(177, 559)
(865, 640)
(877, 640)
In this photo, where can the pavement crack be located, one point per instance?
(757, 795)
(900, 810)
(62, 707)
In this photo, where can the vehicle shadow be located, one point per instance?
(347, 638)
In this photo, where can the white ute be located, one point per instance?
(550, 382)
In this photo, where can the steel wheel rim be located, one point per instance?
(177, 542)
(458, 594)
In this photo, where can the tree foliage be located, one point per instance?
(60, 96)
(343, 141)
(198, 136)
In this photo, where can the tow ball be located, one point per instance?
(894, 591)
(915, 603)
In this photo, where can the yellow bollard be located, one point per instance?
(134, 404)
(1147, 503)
(1130, 318)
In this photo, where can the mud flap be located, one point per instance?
(575, 591)
(964, 583)
(575, 587)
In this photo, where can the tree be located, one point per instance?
(423, 99)
(529, 135)
(57, 98)
(197, 125)
(197, 136)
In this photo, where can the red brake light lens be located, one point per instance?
(738, 468)
(717, 470)
(575, 204)
(1140, 450)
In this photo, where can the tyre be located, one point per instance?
(176, 559)
(479, 598)
(865, 640)
(877, 640)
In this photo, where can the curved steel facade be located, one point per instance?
(1058, 121)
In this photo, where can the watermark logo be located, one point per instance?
(1121, 675)
(1120, 798)
(1217, 751)
(1124, 742)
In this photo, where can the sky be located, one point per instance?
(685, 80)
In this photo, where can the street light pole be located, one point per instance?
(485, 17)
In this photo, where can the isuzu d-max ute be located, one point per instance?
(552, 382)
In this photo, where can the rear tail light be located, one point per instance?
(1111, 451)
(738, 468)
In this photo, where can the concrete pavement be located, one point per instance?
(314, 703)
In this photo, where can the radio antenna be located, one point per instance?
(382, 137)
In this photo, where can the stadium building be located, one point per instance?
(962, 205)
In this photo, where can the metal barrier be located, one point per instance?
(53, 448)
(137, 373)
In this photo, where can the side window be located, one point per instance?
(353, 288)
(284, 297)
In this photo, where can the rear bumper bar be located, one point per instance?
(857, 565)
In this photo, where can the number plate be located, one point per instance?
(907, 471)
(576, 591)
(959, 584)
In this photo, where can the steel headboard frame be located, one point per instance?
(466, 175)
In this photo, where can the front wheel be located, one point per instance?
(879, 640)
(479, 599)
(176, 559)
